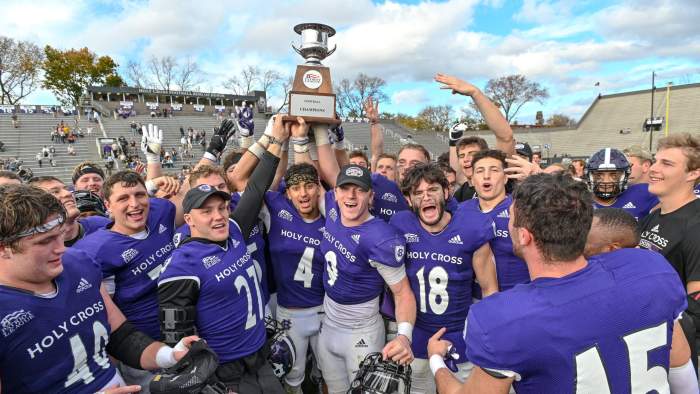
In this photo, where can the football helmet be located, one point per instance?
(87, 201)
(25, 173)
(194, 373)
(283, 354)
(612, 161)
(377, 376)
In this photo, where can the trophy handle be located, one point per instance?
(331, 51)
(297, 50)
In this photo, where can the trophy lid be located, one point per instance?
(315, 26)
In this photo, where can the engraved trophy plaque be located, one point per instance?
(312, 95)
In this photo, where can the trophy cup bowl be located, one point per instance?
(314, 42)
(311, 96)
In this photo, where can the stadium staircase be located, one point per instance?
(34, 132)
(116, 128)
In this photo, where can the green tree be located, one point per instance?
(69, 73)
(560, 120)
(20, 69)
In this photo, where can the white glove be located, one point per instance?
(151, 142)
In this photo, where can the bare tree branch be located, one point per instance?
(136, 75)
(510, 93)
(163, 70)
(189, 75)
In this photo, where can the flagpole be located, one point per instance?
(651, 117)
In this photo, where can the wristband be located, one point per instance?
(406, 329)
(313, 151)
(301, 148)
(264, 140)
(152, 158)
(436, 363)
(165, 358)
(321, 135)
(151, 188)
(210, 157)
(246, 142)
(299, 140)
(257, 150)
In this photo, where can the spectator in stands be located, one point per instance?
(88, 176)
(52, 150)
(15, 120)
(578, 165)
(54, 135)
(52, 161)
(38, 158)
(640, 161)
(71, 150)
(72, 138)
(386, 165)
(45, 151)
(182, 131)
(106, 150)
(9, 177)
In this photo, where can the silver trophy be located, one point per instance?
(314, 42)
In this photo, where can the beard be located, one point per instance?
(441, 212)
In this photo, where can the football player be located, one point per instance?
(611, 229)
(75, 227)
(640, 161)
(362, 254)
(9, 177)
(134, 246)
(489, 180)
(444, 250)
(607, 173)
(58, 323)
(603, 325)
(196, 287)
(460, 152)
(89, 176)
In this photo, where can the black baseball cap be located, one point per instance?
(523, 149)
(355, 175)
(196, 196)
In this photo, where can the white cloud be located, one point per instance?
(409, 97)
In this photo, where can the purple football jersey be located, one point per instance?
(439, 268)
(93, 223)
(511, 269)
(636, 200)
(257, 247)
(697, 189)
(295, 254)
(136, 264)
(349, 277)
(57, 344)
(388, 198)
(230, 304)
(603, 329)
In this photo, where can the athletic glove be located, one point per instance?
(218, 140)
(151, 141)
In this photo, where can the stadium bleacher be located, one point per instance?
(35, 132)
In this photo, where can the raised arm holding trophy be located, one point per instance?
(312, 95)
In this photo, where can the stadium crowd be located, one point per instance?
(481, 272)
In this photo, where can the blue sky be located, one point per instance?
(566, 45)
